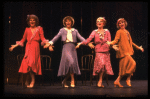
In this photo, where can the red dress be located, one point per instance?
(32, 50)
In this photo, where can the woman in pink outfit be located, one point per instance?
(102, 59)
(31, 61)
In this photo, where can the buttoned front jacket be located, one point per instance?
(125, 45)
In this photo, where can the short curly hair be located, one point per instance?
(68, 18)
(101, 18)
(121, 19)
(32, 16)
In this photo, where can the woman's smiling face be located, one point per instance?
(121, 24)
(100, 23)
(68, 23)
(32, 22)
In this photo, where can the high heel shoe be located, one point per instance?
(64, 84)
(117, 84)
(100, 85)
(128, 83)
(31, 85)
(72, 85)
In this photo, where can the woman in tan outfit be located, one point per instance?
(127, 65)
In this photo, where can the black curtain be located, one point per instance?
(85, 14)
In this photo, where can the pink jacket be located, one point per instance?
(101, 45)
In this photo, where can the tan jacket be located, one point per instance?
(125, 45)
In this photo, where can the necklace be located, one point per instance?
(127, 33)
(101, 36)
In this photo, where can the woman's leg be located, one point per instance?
(27, 79)
(100, 79)
(130, 69)
(32, 78)
(128, 81)
(118, 78)
(67, 76)
(65, 79)
(117, 81)
(72, 79)
(122, 70)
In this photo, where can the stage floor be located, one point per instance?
(139, 89)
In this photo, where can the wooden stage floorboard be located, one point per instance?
(139, 89)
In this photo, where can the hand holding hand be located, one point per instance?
(91, 45)
(46, 45)
(51, 48)
(78, 45)
(141, 48)
(108, 43)
(115, 47)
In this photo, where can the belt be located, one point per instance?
(67, 42)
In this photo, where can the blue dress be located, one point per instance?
(69, 60)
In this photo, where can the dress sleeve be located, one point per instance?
(42, 36)
(21, 42)
(56, 37)
(80, 37)
(117, 38)
(136, 46)
(85, 42)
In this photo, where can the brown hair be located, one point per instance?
(32, 16)
(101, 18)
(68, 18)
(121, 19)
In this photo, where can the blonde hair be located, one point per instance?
(101, 18)
(121, 19)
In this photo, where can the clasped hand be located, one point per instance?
(108, 43)
(141, 48)
(48, 45)
(90, 45)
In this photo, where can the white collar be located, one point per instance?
(96, 30)
(72, 29)
(103, 29)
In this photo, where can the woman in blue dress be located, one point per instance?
(69, 61)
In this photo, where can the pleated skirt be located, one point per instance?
(69, 60)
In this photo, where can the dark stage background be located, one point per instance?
(85, 14)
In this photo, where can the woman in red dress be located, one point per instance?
(31, 61)
(102, 59)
